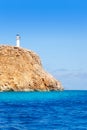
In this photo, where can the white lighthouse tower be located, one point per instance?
(18, 40)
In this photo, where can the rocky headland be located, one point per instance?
(21, 70)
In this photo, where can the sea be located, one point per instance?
(65, 110)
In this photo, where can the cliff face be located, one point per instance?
(21, 70)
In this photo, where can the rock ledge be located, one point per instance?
(21, 70)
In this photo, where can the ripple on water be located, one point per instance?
(43, 111)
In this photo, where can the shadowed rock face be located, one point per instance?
(21, 70)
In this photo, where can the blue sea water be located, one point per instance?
(65, 110)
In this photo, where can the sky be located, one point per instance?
(56, 30)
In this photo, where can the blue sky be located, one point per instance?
(54, 29)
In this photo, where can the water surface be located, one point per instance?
(65, 110)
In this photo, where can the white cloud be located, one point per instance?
(72, 79)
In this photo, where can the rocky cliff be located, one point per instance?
(21, 70)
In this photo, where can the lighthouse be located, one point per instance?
(18, 40)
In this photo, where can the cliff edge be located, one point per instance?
(21, 70)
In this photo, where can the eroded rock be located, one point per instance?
(21, 70)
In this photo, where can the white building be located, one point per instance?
(18, 40)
